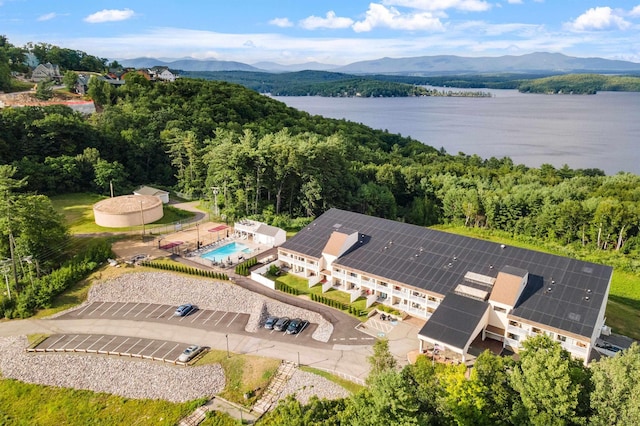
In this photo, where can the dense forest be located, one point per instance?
(544, 387)
(324, 83)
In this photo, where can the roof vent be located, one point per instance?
(589, 290)
(416, 255)
(490, 266)
(502, 246)
(586, 298)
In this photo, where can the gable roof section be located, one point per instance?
(455, 320)
(268, 230)
(437, 262)
(147, 190)
(507, 287)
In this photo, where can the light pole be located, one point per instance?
(197, 236)
(215, 190)
(226, 336)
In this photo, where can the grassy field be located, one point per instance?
(36, 405)
(350, 386)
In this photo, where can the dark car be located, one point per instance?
(184, 310)
(281, 324)
(270, 322)
(297, 325)
(189, 353)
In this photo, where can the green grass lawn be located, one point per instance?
(348, 385)
(28, 405)
(77, 210)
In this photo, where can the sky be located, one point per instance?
(335, 32)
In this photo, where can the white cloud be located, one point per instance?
(635, 12)
(281, 22)
(598, 18)
(331, 21)
(514, 1)
(435, 5)
(109, 15)
(47, 16)
(380, 16)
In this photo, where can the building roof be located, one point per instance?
(455, 320)
(268, 230)
(506, 289)
(147, 190)
(561, 292)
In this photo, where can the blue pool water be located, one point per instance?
(221, 253)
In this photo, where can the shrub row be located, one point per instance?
(330, 302)
(243, 268)
(186, 270)
(286, 289)
(39, 293)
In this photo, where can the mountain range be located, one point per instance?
(540, 62)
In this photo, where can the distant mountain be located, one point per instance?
(541, 63)
(307, 66)
(530, 63)
(188, 64)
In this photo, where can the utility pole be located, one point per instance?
(13, 258)
(142, 217)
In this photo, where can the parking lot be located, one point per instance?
(132, 347)
(205, 319)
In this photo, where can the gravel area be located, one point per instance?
(304, 385)
(174, 289)
(142, 379)
(137, 379)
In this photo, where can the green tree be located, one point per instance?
(100, 91)
(616, 391)
(69, 80)
(44, 90)
(107, 173)
(382, 359)
(549, 383)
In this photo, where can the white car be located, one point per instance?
(190, 353)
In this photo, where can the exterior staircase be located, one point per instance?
(271, 395)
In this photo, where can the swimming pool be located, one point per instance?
(222, 253)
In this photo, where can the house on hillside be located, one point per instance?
(147, 190)
(82, 84)
(466, 289)
(45, 72)
(261, 233)
(163, 74)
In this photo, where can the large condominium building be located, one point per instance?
(464, 287)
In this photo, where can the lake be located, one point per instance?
(584, 131)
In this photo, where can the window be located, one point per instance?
(561, 338)
(514, 323)
(513, 336)
(499, 309)
(353, 274)
(581, 344)
(383, 284)
(536, 330)
(433, 299)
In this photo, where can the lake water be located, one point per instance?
(597, 131)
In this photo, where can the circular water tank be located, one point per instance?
(127, 210)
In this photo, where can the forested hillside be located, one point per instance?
(269, 159)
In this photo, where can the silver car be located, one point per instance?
(190, 353)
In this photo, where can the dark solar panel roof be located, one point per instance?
(455, 320)
(561, 292)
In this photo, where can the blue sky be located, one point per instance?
(327, 31)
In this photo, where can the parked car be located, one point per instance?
(184, 310)
(297, 325)
(270, 322)
(190, 353)
(281, 324)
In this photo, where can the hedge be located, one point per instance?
(186, 270)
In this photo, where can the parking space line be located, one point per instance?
(86, 338)
(118, 310)
(170, 350)
(68, 344)
(233, 319)
(81, 311)
(145, 348)
(129, 349)
(212, 314)
(154, 352)
(197, 314)
(107, 344)
(123, 342)
(157, 307)
(141, 311)
(218, 322)
(108, 308)
(95, 308)
(99, 338)
(169, 309)
(60, 338)
(134, 306)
